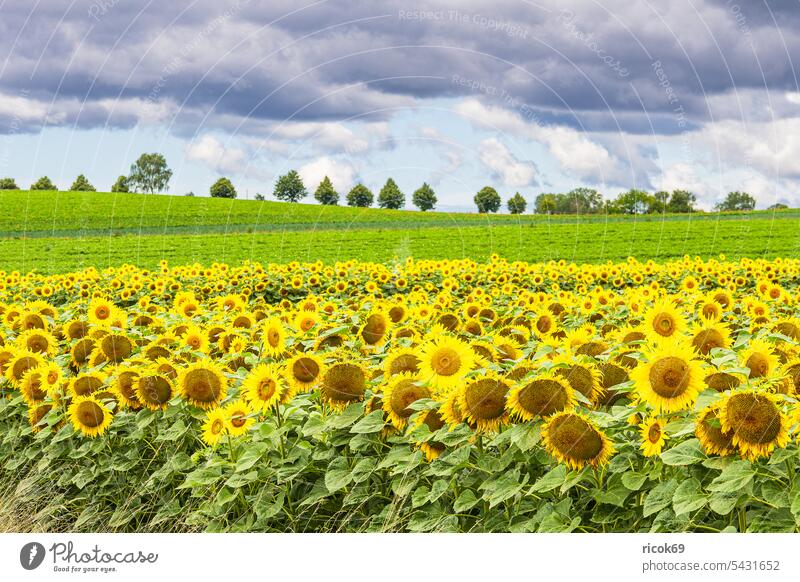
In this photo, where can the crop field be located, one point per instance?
(55, 232)
(415, 395)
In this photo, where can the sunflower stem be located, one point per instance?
(743, 519)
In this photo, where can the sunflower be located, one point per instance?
(759, 356)
(543, 395)
(38, 340)
(671, 379)
(708, 431)
(401, 360)
(239, 417)
(573, 439)
(444, 361)
(399, 392)
(203, 383)
(303, 372)
(264, 386)
(52, 377)
(343, 383)
(581, 373)
(20, 363)
(449, 409)
(273, 336)
(89, 416)
(86, 383)
(116, 347)
(153, 389)
(376, 329)
(483, 401)
(708, 334)
(756, 421)
(125, 384)
(664, 320)
(306, 321)
(195, 338)
(434, 421)
(653, 437)
(214, 426)
(36, 414)
(33, 388)
(101, 311)
(81, 351)
(721, 381)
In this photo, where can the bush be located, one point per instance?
(43, 183)
(121, 185)
(487, 200)
(8, 184)
(390, 196)
(424, 197)
(222, 188)
(290, 188)
(326, 194)
(517, 204)
(81, 184)
(360, 196)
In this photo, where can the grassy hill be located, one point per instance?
(56, 231)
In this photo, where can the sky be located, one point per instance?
(525, 96)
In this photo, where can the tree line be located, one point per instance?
(150, 173)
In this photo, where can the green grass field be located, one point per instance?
(59, 231)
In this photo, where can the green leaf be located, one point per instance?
(659, 497)
(241, 479)
(202, 476)
(723, 503)
(733, 478)
(633, 480)
(438, 489)
(347, 417)
(688, 497)
(373, 422)
(363, 469)
(504, 487)
(266, 507)
(337, 477)
(466, 500)
(550, 480)
(251, 456)
(420, 496)
(686, 453)
(614, 492)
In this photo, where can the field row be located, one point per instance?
(589, 243)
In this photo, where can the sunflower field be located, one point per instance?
(408, 396)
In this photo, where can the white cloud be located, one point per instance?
(505, 165)
(574, 151)
(342, 174)
(216, 155)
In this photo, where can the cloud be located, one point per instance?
(341, 174)
(216, 155)
(504, 165)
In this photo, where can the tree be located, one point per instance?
(326, 194)
(150, 174)
(8, 184)
(681, 201)
(517, 204)
(390, 196)
(43, 183)
(424, 197)
(633, 202)
(583, 201)
(737, 201)
(290, 188)
(545, 203)
(260, 197)
(659, 202)
(121, 185)
(81, 184)
(360, 196)
(222, 188)
(190, 194)
(777, 206)
(487, 200)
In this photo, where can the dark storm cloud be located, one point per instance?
(607, 66)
